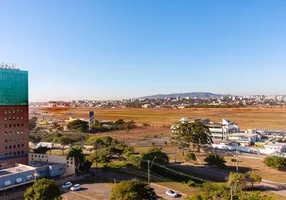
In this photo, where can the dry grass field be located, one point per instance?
(260, 118)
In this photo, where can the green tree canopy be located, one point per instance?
(215, 160)
(78, 125)
(253, 178)
(237, 181)
(194, 133)
(43, 189)
(132, 190)
(77, 154)
(161, 157)
(275, 162)
(32, 123)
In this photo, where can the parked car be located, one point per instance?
(75, 187)
(171, 193)
(67, 185)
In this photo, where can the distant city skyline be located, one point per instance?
(111, 49)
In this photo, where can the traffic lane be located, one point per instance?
(93, 191)
(161, 192)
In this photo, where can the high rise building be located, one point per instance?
(14, 117)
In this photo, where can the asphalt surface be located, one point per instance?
(102, 191)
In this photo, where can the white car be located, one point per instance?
(171, 193)
(75, 187)
(67, 185)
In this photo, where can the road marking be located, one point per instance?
(83, 196)
(87, 197)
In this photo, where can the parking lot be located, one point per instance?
(101, 191)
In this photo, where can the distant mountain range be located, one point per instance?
(182, 95)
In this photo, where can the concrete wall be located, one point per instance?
(70, 164)
(13, 177)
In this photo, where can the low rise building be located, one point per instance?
(69, 163)
(244, 139)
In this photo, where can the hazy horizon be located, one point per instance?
(128, 49)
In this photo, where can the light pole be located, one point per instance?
(236, 161)
(149, 166)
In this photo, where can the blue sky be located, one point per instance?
(114, 49)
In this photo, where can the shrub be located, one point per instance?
(275, 162)
(215, 160)
(191, 157)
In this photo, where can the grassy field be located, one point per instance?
(262, 118)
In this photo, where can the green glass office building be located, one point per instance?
(13, 87)
(14, 116)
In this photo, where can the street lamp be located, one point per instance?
(149, 166)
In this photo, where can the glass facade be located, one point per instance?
(13, 87)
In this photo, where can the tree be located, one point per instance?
(275, 162)
(236, 182)
(77, 154)
(32, 123)
(159, 157)
(191, 157)
(215, 160)
(194, 133)
(253, 178)
(41, 150)
(43, 189)
(64, 140)
(132, 190)
(78, 126)
(253, 196)
(35, 138)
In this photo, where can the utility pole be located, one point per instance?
(149, 173)
(149, 166)
(231, 197)
(236, 161)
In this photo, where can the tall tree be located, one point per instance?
(236, 182)
(132, 190)
(253, 178)
(193, 133)
(64, 140)
(77, 154)
(157, 155)
(43, 189)
(78, 126)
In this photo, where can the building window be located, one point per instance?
(32, 155)
(14, 146)
(22, 124)
(22, 152)
(18, 152)
(6, 125)
(5, 112)
(6, 147)
(22, 145)
(18, 145)
(13, 111)
(6, 140)
(14, 153)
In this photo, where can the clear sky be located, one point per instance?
(114, 49)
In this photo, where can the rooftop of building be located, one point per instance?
(242, 134)
(14, 169)
(38, 164)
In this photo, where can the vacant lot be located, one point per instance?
(262, 118)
